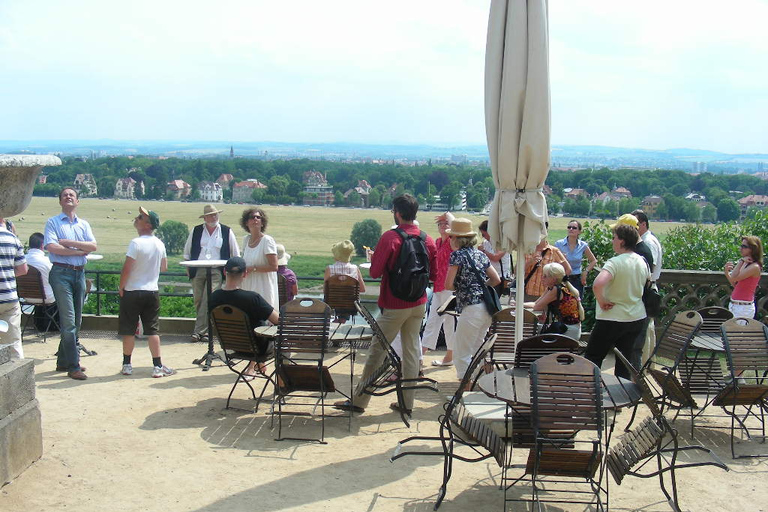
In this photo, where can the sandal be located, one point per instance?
(435, 362)
(346, 405)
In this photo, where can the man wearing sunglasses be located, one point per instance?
(208, 241)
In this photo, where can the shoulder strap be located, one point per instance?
(533, 270)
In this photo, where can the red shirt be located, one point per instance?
(384, 258)
(443, 257)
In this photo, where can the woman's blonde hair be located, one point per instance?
(557, 272)
(465, 241)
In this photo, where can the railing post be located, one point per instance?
(98, 295)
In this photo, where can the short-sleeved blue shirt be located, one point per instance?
(59, 227)
(574, 257)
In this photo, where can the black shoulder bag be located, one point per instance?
(490, 297)
(553, 323)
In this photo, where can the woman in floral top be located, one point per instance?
(466, 272)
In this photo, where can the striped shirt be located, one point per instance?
(60, 227)
(11, 256)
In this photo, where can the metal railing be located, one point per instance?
(182, 281)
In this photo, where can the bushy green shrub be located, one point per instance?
(365, 233)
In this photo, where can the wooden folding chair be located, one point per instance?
(282, 289)
(302, 340)
(31, 292)
(700, 370)
(646, 442)
(502, 355)
(388, 378)
(460, 429)
(670, 350)
(746, 349)
(531, 349)
(566, 414)
(241, 346)
(341, 293)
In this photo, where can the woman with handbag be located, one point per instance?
(470, 274)
(561, 304)
(620, 312)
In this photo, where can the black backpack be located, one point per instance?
(409, 278)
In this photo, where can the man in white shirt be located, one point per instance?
(208, 241)
(645, 342)
(139, 293)
(37, 258)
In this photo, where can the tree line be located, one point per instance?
(429, 183)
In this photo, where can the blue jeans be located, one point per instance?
(69, 289)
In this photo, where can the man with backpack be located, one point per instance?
(404, 259)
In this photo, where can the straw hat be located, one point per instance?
(628, 219)
(209, 209)
(282, 256)
(342, 251)
(460, 227)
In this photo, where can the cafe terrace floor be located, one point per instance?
(138, 443)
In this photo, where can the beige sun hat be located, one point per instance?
(342, 251)
(282, 256)
(209, 209)
(460, 227)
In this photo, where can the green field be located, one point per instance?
(306, 232)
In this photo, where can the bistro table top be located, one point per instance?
(514, 387)
(708, 341)
(348, 334)
(203, 263)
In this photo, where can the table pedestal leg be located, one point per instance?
(210, 355)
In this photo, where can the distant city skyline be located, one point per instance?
(655, 75)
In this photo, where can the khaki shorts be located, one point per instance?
(139, 304)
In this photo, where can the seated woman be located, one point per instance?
(342, 254)
(291, 283)
(562, 298)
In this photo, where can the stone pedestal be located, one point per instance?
(17, 180)
(21, 435)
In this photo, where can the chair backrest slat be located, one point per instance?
(746, 347)
(341, 293)
(234, 330)
(30, 286)
(282, 289)
(677, 335)
(532, 348)
(712, 318)
(304, 326)
(503, 326)
(567, 394)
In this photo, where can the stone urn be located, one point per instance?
(17, 180)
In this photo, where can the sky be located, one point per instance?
(652, 74)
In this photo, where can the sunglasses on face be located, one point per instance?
(256, 216)
(573, 227)
(744, 246)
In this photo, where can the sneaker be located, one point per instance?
(162, 371)
(127, 369)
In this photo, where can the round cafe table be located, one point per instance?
(208, 265)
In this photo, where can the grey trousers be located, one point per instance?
(200, 292)
(407, 322)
